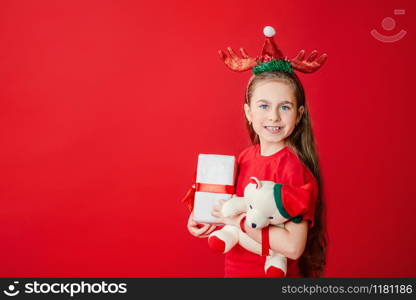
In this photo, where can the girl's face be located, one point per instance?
(273, 112)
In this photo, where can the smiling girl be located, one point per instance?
(283, 151)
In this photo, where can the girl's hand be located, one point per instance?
(232, 220)
(199, 230)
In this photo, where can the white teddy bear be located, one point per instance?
(261, 211)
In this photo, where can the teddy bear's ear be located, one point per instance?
(255, 181)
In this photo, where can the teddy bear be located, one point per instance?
(261, 208)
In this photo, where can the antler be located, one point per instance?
(236, 63)
(309, 65)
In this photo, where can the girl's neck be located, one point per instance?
(267, 149)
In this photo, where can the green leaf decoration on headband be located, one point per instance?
(273, 66)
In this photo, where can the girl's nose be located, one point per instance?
(274, 115)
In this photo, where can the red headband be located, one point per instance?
(271, 58)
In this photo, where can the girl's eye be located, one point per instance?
(263, 106)
(271, 218)
(285, 107)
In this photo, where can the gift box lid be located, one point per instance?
(215, 169)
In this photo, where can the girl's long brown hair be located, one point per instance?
(313, 259)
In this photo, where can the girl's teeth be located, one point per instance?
(274, 128)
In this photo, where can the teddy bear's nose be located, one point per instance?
(253, 225)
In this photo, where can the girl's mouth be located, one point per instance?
(273, 129)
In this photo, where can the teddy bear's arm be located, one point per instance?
(234, 206)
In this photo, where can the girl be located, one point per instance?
(283, 151)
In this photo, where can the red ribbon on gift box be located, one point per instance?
(205, 187)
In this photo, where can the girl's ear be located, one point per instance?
(301, 109)
(247, 112)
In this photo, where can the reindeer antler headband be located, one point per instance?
(272, 59)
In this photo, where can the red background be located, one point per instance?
(106, 104)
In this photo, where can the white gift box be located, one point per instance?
(212, 169)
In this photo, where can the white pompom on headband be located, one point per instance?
(269, 31)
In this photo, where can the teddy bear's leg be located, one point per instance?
(249, 244)
(223, 240)
(276, 265)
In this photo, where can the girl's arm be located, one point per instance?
(197, 229)
(289, 241)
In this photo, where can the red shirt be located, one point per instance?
(283, 167)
